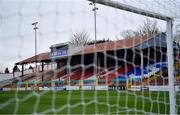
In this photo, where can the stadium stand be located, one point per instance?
(108, 72)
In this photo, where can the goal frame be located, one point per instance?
(169, 40)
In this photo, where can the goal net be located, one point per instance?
(89, 57)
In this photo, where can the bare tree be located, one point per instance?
(148, 28)
(128, 34)
(99, 41)
(79, 38)
(16, 69)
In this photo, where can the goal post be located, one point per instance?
(171, 67)
(169, 25)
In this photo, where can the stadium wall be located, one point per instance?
(6, 76)
(105, 88)
(153, 88)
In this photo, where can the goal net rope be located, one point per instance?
(82, 57)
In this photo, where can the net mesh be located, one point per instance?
(97, 60)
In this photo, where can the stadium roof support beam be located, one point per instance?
(42, 71)
(118, 5)
(22, 70)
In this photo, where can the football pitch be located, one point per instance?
(84, 102)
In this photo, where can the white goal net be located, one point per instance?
(89, 57)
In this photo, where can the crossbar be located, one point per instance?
(129, 8)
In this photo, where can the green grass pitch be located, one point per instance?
(87, 102)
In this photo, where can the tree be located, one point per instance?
(16, 69)
(128, 34)
(79, 38)
(148, 28)
(99, 41)
(30, 67)
(6, 70)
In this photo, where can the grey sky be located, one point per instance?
(58, 19)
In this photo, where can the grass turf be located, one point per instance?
(87, 102)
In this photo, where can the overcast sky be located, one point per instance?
(58, 20)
